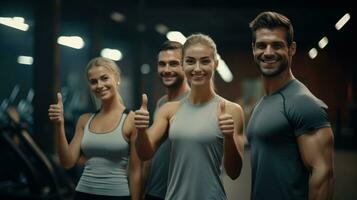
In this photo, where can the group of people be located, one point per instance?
(197, 134)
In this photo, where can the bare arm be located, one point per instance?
(135, 165)
(149, 140)
(231, 124)
(68, 153)
(316, 149)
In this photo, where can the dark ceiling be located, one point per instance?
(225, 20)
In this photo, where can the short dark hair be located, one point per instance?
(272, 20)
(170, 45)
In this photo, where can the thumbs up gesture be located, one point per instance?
(142, 115)
(55, 111)
(226, 123)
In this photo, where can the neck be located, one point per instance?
(174, 93)
(112, 104)
(272, 84)
(201, 94)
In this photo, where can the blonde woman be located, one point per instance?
(112, 168)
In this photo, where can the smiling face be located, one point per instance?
(271, 52)
(199, 64)
(102, 82)
(169, 68)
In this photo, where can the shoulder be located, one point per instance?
(169, 108)
(83, 119)
(161, 101)
(232, 107)
(304, 102)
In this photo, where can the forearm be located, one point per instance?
(145, 174)
(143, 146)
(321, 184)
(63, 149)
(135, 183)
(232, 158)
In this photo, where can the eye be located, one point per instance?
(104, 78)
(174, 63)
(92, 82)
(161, 64)
(260, 45)
(190, 61)
(206, 61)
(278, 46)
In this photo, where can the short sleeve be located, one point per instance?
(306, 113)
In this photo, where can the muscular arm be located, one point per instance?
(316, 149)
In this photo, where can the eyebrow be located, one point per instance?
(101, 76)
(198, 58)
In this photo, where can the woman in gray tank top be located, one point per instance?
(205, 130)
(105, 139)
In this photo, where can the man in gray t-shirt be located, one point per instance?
(172, 76)
(290, 137)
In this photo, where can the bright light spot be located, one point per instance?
(19, 19)
(162, 29)
(342, 21)
(176, 36)
(145, 68)
(117, 17)
(71, 41)
(15, 22)
(223, 70)
(323, 42)
(25, 60)
(313, 53)
(113, 54)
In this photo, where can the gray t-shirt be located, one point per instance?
(157, 181)
(196, 153)
(277, 120)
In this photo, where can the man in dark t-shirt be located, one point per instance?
(289, 133)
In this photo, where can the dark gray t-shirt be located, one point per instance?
(277, 120)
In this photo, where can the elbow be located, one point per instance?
(66, 164)
(234, 175)
(144, 157)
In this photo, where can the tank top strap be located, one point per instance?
(86, 127)
(122, 119)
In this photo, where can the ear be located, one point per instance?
(253, 47)
(292, 48)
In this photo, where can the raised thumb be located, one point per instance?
(144, 102)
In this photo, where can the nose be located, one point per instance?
(166, 68)
(99, 84)
(197, 66)
(269, 51)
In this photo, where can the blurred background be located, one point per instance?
(45, 46)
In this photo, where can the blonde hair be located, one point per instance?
(205, 40)
(109, 65)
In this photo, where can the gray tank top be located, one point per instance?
(196, 153)
(157, 181)
(105, 171)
